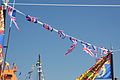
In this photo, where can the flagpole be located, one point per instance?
(6, 47)
(111, 61)
(4, 14)
(39, 73)
(112, 67)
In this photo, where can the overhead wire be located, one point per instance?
(117, 50)
(68, 5)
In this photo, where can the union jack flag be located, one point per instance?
(74, 41)
(95, 50)
(61, 34)
(48, 27)
(87, 48)
(31, 19)
(104, 51)
(12, 14)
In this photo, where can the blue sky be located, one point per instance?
(96, 25)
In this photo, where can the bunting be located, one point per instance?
(104, 51)
(12, 14)
(74, 41)
(32, 19)
(48, 27)
(95, 50)
(93, 71)
(61, 34)
(1, 21)
(88, 48)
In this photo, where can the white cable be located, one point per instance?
(18, 11)
(40, 22)
(68, 5)
(116, 50)
(13, 3)
(43, 23)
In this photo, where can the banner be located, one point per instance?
(1, 34)
(92, 72)
(105, 72)
(1, 21)
(1, 47)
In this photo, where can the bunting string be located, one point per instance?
(88, 48)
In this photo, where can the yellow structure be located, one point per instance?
(93, 71)
(7, 73)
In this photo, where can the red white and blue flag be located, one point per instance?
(32, 19)
(95, 50)
(87, 48)
(74, 41)
(104, 51)
(48, 27)
(61, 34)
(12, 14)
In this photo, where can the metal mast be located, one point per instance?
(39, 67)
(5, 3)
(112, 65)
(112, 69)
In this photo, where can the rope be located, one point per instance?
(116, 50)
(39, 22)
(67, 5)
(18, 11)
